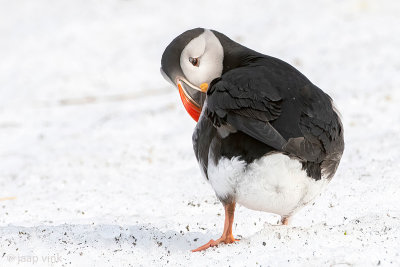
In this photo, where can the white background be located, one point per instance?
(96, 160)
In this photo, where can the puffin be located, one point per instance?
(266, 137)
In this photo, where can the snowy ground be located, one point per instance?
(96, 157)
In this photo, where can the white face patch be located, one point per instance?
(208, 50)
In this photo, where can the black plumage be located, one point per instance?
(273, 108)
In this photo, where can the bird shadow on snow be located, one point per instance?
(73, 238)
(128, 237)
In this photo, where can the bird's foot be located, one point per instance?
(286, 220)
(213, 243)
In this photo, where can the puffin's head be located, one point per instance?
(190, 62)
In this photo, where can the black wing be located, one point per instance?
(322, 143)
(282, 109)
(245, 99)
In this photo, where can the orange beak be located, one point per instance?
(193, 110)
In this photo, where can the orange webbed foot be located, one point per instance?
(214, 243)
(227, 237)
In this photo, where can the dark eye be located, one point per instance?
(194, 61)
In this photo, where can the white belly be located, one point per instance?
(275, 183)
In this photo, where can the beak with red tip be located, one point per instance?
(192, 96)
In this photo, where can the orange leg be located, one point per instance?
(285, 220)
(226, 236)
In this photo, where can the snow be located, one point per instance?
(97, 167)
